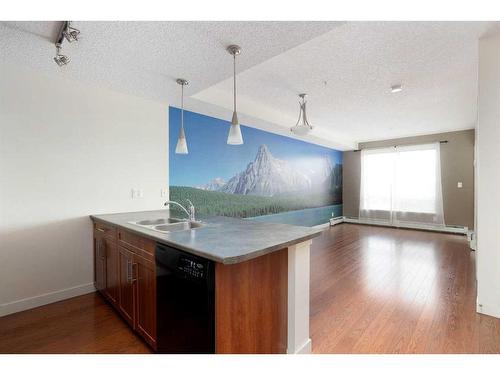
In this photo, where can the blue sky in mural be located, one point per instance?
(210, 157)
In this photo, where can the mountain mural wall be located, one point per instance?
(268, 175)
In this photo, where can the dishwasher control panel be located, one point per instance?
(193, 268)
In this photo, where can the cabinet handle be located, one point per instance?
(102, 249)
(101, 230)
(134, 272)
(129, 272)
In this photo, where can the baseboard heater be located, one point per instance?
(336, 220)
(447, 229)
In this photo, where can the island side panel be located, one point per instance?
(251, 305)
(299, 341)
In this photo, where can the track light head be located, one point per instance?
(70, 33)
(59, 58)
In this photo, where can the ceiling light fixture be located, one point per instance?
(182, 147)
(302, 127)
(69, 33)
(59, 58)
(396, 88)
(234, 137)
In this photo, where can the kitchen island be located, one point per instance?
(260, 272)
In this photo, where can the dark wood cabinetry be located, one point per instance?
(111, 255)
(145, 285)
(106, 262)
(126, 303)
(99, 263)
(250, 297)
(125, 273)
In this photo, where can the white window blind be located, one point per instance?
(402, 185)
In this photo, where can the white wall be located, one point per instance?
(68, 150)
(488, 178)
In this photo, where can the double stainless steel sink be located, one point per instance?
(168, 225)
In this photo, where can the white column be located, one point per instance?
(488, 178)
(298, 298)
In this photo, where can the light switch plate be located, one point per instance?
(137, 193)
(459, 185)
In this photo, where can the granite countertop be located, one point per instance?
(221, 239)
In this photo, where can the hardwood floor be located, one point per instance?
(373, 290)
(84, 324)
(385, 290)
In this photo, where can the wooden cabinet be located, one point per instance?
(145, 284)
(250, 297)
(106, 262)
(126, 300)
(99, 262)
(125, 273)
(137, 293)
(111, 253)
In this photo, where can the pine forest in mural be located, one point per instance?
(268, 174)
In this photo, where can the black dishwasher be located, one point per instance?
(185, 301)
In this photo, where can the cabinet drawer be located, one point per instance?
(107, 231)
(137, 244)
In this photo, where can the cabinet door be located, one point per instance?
(126, 298)
(111, 253)
(99, 262)
(145, 283)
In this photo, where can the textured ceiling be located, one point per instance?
(348, 72)
(145, 58)
(346, 68)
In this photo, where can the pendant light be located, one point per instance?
(234, 137)
(302, 127)
(182, 147)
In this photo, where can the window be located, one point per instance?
(402, 184)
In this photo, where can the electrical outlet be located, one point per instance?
(163, 193)
(459, 185)
(137, 193)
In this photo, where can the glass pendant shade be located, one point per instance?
(234, 137)
(182, 147)
(302, 127)
(301, 130)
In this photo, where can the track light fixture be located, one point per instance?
(68, 33)
(59, 58)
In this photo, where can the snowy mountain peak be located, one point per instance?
(263, 153)
(267, 176)
(214, 185)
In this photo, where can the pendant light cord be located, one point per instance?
(182, 106)
(234, 81)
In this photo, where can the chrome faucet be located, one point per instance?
(190, 211)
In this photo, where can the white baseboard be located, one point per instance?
(457, 230)
(44, 299)
(322, 226)
(488, 310)
(471, 236)
(306, 348)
